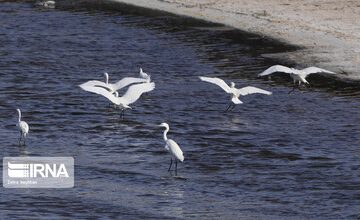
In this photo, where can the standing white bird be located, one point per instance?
(235, 93)
(115, 86)
(297, 75)
(144, 75)
(23, 128)
(172, 147)
(132, 94)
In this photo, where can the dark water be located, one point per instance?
(275, 157)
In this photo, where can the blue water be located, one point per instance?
(274, 157)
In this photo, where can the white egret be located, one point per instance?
(47, 4)
(144, 75)
(132, 94)
(235, 93)
(23, 128)
(299, 76)
(116, 86)
(172, 147)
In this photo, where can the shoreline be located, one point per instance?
(324, 31)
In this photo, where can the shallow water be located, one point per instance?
(281, 156)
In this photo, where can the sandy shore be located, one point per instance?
(327, 30)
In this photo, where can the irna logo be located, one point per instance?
(34, 170)
(38, 172)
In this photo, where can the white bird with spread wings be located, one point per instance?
(112, 87)
(299, 76)
(235, 93)
(132, 94)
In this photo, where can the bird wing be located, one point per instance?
(276, 68)
(313, 69)
(24, 127)
(96, 83)
(134, 92)
(175, 150)
(217, 81)
(251, 90)
(103, 92)
(127, 81)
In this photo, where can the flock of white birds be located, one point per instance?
(139, 85)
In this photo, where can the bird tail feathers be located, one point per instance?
(236, 100)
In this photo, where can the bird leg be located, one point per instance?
(294, 87)
(175, 167)
(20, 138)
(233, 106)
(122, 114)
(170, 164)
(228, 107)
(304, 86)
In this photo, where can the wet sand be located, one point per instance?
(328, 31)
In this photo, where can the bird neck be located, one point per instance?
(165, 133)
(19, 116)
(106, 78)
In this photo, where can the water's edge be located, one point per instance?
(292, 57)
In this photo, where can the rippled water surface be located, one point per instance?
(281, 156)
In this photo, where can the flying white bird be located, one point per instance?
(23, 128)
(144, 75)
(132, 94)
(116, 86)
(172, 147)
(299, 76)
(235, 93)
